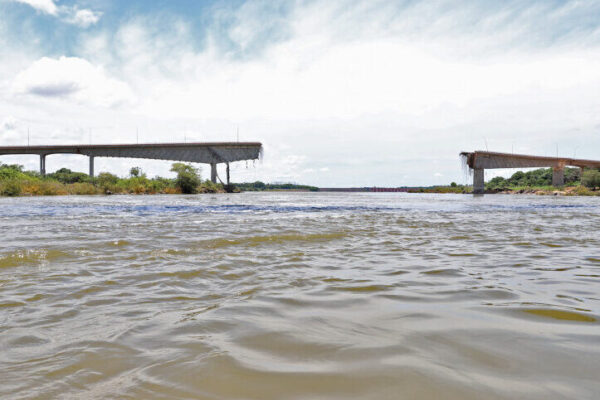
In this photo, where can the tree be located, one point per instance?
(13, 171)
(591, 178)
(135, 171)
(188, 177)
(182, 167)
(65, 175)
(497, 182)
(16, 167)
(106, 180)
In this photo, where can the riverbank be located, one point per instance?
(551, 191)
(15, 181)
(536, 190)
(50, 188)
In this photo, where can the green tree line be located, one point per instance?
(535, 178)
(15, 181)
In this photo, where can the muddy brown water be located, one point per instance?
(300, 296)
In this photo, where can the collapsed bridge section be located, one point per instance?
(478, 161)
(212, 153)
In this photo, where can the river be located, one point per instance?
(300, 296)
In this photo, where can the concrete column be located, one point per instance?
(42, 164)
(213, 173)
(92, 166)
(227, 174)
(558, 176)
(478, 181)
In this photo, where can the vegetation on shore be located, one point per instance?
(537, 181)
(537, 178)
(15, 181)
(452, 188)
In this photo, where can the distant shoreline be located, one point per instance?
(539, 191)
(14, 181)
(576, 190)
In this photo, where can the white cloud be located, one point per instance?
(83, 18)
(45, 6)
(71, 78)
(72, 15)
(319, 73)
(371, 91)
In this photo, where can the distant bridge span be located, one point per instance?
(212, 153)
(478, 161)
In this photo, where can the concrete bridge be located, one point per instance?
(212, 153)
(478, 161)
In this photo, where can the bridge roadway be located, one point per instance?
(212, 153)
(478, 161)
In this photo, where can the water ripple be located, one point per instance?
(300, 296)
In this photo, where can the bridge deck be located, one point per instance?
(482, 160)
(204, 152)
(212, 153)
(490, 160)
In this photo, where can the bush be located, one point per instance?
(187, 182)
(105, 179)
(135, 171)
(44, 188)
(156, 186)
(12, 172)
(135, 184)
(591, 178)
(65, 175)
(572, 175)
(188, 177)
(82, 188)
(172, 190)
(10, 188)
(536, 178)
(582, 191)
(209, 187)
(497, 183)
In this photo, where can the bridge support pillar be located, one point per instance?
(92, 166)
(227, 174)
(42, 164)
(213, 173)
(478, 181)
(558, 176)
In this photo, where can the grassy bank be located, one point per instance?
(15, 181)
(537, 182)
(578, 190)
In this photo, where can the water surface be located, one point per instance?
(300, 296)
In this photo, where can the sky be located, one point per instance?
(340, 92)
